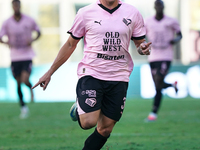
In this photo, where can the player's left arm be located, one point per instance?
(35, 28)
(143, 47)
(37, 36)
(176, 29)
(34, 39)
(177, 38)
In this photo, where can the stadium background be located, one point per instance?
(55, 18)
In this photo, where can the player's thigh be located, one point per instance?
(25, 76)
(159, 70)
(16, 69)
(26, 70)
(114, 99)
(89, 119)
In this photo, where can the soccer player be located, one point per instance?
(163, 32)
(18, 28)
(107, 27)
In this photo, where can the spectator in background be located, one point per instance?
(160, 31)
(107, 27)
(18, 28)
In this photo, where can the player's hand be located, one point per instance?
(29, 42)
(43, 81)
(7, 43)
(172, 42)
(146, 48)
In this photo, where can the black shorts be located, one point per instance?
(19, 66)
(94, 94)
(160, 67)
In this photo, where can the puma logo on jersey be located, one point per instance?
(127, 21)
(98, 22)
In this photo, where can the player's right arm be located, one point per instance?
(63, 55)
(3, 32)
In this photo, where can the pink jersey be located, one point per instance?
(160, 33)
(19, 33)
(107, 37)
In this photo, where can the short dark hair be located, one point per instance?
(159, 1)
(15, 1)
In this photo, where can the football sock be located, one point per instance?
(20, 95)
(166, 85)
(95, 141)
(157, 101)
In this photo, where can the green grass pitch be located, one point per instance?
(49, 127)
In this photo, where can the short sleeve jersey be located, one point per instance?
(107, 34)
(160, 33)
(19, 33)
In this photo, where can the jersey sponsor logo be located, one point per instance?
(99, 22)
(91, 93)
(107, 57)
(112, 42)
(127, 21)
(91, 102)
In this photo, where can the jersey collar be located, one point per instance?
(109, 10)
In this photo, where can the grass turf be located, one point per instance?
(49, 127)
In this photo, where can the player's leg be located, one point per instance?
(88, 103)
(166, 66)
(159, 71)
(16, 71)
(101, 133)
(19, 91)
(25, 75)
(111, 112)
(158, 82)
(89, 120)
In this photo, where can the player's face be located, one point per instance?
(159, 6)
(16, 8)
(109, 2)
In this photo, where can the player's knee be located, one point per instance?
(158, 87)
(105, 131)
(87, 124)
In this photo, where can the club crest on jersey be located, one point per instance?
(127, 21)
(91, 101)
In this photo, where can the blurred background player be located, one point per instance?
(18, 28)
(163, 32)
(107, 27)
